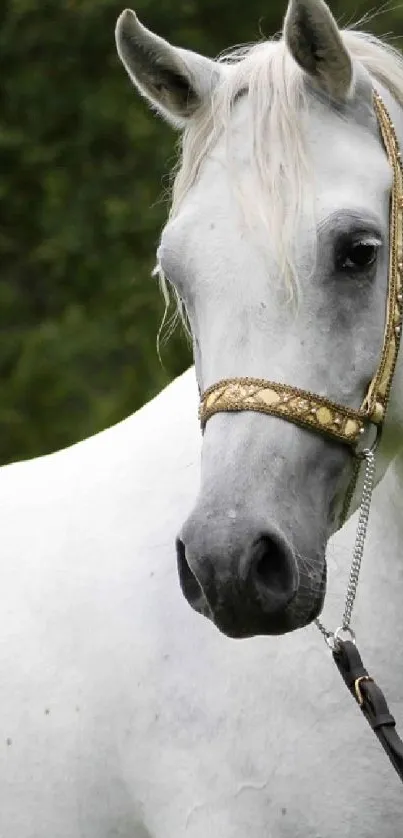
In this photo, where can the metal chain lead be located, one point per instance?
(369, 457)
(360, 537)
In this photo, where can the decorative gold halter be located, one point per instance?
(317, 412)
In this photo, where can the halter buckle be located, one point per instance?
(357, 688)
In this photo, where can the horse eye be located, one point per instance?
(358, 256)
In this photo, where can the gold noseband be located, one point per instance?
(316, 412)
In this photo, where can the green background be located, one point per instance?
(83, 189)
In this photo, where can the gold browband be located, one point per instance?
(316, 412)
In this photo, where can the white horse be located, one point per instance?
(123, 712)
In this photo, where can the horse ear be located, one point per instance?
(314, 40)
(174, 80)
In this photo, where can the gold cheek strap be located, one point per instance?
(317, 412)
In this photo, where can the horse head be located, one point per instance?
(277, 248)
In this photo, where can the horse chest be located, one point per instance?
(259, 738)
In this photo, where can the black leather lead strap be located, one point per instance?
(371, 700)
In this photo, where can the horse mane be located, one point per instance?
(268, 76)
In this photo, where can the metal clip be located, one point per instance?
(368, 441)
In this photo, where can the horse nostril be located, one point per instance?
(273, 569)
(191, 588)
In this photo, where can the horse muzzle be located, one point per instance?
(245, 577)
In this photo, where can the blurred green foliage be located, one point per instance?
(83, 172)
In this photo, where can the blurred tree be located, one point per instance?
(83, 165)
